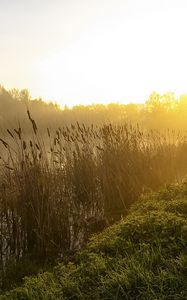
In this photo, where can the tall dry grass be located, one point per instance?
(53, 194)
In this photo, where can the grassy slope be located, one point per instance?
(144, 256)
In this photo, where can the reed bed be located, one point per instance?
(55, 193)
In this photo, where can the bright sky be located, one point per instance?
(94, 51)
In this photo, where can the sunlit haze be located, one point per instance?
(85, 51)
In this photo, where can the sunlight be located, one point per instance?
(121, 60)
(120, 51)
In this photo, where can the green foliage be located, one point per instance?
(17, 270)
(143, 256)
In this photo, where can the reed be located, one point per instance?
(55, 193)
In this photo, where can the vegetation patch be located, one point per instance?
(143, 256)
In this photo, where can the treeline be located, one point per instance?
(158, 112)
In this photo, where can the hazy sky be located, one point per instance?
(85, 51)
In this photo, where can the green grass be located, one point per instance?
(144, 256)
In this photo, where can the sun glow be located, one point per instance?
(121, 54)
